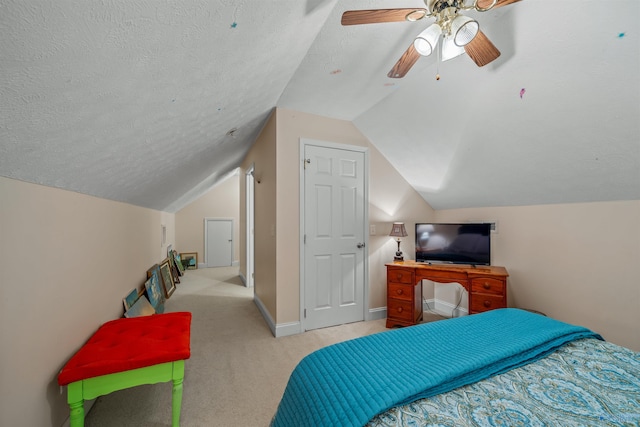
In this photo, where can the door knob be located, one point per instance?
(360, 245)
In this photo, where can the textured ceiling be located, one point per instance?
(151, 102)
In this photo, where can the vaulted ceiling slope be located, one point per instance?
(151, 102)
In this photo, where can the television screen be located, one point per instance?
(466, 243)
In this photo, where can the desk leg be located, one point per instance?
(176, 394)
(76, 404)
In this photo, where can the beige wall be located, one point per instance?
(221, 201)
(574, 262)
(263, 156)
(558, 262)
(390, 199)
(67, 260)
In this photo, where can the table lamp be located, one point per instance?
(398, 230)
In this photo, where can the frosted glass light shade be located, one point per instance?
(450, 50)
(427, 40)
(463, 30)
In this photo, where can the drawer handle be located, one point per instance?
(399, 276)
(399, 309)
(399, 291)
(486, 285)
(487, 303)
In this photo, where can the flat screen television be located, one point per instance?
(466, 243)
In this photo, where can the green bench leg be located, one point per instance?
(76, 404)
(176, 404)
(91, 388)
(176, 392)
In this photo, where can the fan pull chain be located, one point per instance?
(438, 49)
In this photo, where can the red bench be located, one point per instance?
(128, 352)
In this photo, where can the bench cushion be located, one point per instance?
(131, 343)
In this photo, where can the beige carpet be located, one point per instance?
(237, 371)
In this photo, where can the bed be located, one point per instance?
(503, 367)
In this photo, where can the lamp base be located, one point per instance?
(398, 256)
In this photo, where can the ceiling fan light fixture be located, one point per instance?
(450, 50)
(463, 30)
(427, 40)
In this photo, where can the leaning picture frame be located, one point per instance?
(167, 278)
(174, 269)
(130, 299)
(178, 262)
(154, 288)
(189, 260)
(155, 294)
(141, 307)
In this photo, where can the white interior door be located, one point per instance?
(218, 242)
(334, 236)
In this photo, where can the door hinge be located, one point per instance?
(304, 241)
(305, 313)
(305, 162)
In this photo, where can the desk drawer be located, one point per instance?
(480, 303)
(400, 291)
(487, 285)
(448, 276)
(399, 309)
(399, 275)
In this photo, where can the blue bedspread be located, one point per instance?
(347, 384)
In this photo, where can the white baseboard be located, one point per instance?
(294, 328)
(377, 313)
(265, 314)
(204, 264)
(279, 330)
(286, 329)
(444, 308)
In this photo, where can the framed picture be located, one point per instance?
(167, 278)
(155, 295)
(155, 291)
(178, 261)
(130, 299)
(141, 307)
(189, 260)
(174, 269)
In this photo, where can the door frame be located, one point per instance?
(250, 217)
(206, 239)
(304, 142)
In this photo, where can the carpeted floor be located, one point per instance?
(237, 371)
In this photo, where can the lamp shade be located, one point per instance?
(463, 30)
(398, 230)
(427, 40)
(450, 50)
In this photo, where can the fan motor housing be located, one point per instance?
(437, 6)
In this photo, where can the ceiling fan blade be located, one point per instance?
(483, 4)
(481, 50)
(375, 16)
(405, 63)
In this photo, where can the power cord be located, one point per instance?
(432, 311)
(458, 304)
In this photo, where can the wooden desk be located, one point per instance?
(486, 287)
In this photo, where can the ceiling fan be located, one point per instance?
(458, 32)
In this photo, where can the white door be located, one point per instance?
(218, 249)
(334, 236)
